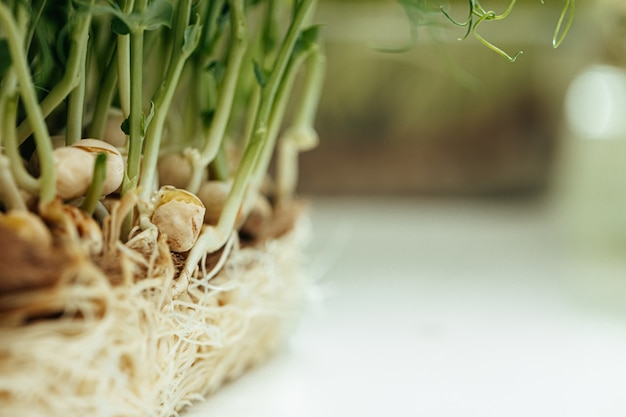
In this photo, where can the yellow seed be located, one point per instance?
(175, 170)
(178, 215)
(74, 171)
(114, 164)
(27, 226)
(213, 195)
(258, 221)
(74, 167)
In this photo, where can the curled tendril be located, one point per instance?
(477, 11)
(559, 34)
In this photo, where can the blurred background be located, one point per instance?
(449, 116)
(415, 111)
(468, 220)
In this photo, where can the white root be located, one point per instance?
(210, 240)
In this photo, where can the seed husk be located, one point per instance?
(175, 170)
(115, 162)
(28, 258)
(74, 167)
(179, 215)
(213, 195)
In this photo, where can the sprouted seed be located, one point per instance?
(178, 215)
(75, 165)
(162, 86)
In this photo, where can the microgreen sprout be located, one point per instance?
(72, 75)
(151, 81)
(15, 39)
(97, 184)
(561, 31)
(477, 15)
(214, 134)
(10, 193)
(301, 135)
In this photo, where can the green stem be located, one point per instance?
(217, 130)
(249, 86)
(162, 103)
(31, 105)
(251, 114)
(135, 142)
(95, 188)
(262, 142)
(268, 32)
(212, 238)
(71, 77)
(123, 72)
(76, 107)
(269, 115)
(219, 168)
(10, 193)
(123, 61)
(269, 91)
(181, 21)
(103, 102)
(8, 88)
(259, 142)
(209, 34)
(316, 66)
(289, 149)
(36, 13)
(191, 121)
(135, 137)
(286, 171)
(276, 118)
(559, 35)
(21, 175)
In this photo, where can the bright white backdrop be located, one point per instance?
(444, 309)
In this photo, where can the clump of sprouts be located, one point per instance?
(164, 90)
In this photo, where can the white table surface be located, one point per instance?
(444, 309)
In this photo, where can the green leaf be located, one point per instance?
(62, 45)
(119, 26)
(420, 12)
(125, 126)
(191, 37)
(217, 69)
(223, 17)
(159, 13)
(207, 117)
(145, 121)
(121, 23)
(260, 74)
(5, 57)
(308, 38)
